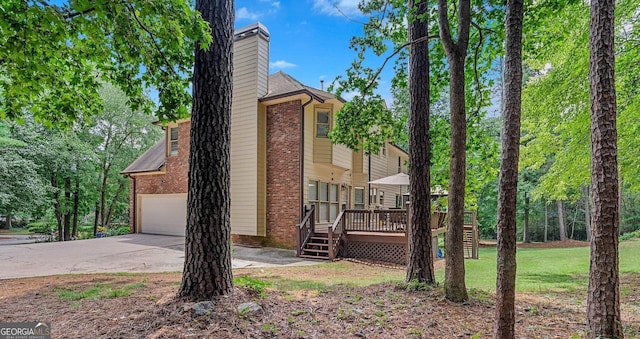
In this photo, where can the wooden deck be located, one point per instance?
(379, 235)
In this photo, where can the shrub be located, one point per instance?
(42, 227)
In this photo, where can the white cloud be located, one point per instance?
(280, 64)
(244, 13)
(330, 7)
(276, 4)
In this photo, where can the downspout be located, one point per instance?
(302, 209)
(368, 193)
(135, 204)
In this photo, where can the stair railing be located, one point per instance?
(305, 229)
(334, 235)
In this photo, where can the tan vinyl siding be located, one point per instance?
(323, 172)
(322, 150)
(342, 156)
(358, 161)
(247, 177)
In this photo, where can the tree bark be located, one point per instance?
(8, 222)
(76, 206)
(562, 226)
(508, 180)
(525, 229)
(207, 267)
(67, 213)
(587, 212)
(546, 221)
(420, 265)
(57, 208)
(112, 205)
(454, 284)
(96, 219)
(603, 296)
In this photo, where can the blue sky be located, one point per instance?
(310, 38)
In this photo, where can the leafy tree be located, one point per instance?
(207, 267)
(116, 136)
(456, 51)
(603, 300)
(54, 57)
(508, 181)
(21, 188)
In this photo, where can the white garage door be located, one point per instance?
(163, 213)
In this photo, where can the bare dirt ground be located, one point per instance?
(146, 306)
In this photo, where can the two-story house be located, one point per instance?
(281, 158)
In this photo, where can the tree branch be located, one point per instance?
(155, 44)
(443, 26)
(475, 68)
(397, 50)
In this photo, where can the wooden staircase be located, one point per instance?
(317, 247)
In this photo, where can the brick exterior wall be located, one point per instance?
(283, 176)
(174, 180)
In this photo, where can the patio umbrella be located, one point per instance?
(396, 179)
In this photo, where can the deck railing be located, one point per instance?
(305, 229)
(334, 235)
(390, 221)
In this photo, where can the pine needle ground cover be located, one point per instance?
(338, 300)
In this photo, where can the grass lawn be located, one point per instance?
(545, 270)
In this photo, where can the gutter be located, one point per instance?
(302, 209)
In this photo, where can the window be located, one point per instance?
(382, 198)
(399, 164)
(173, 141)
(398, 201)
(322, 124)
(359, 198)
(326, 198)
(373, 196)
(384, 149)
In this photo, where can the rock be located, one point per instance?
(249, 308)
(202, 308)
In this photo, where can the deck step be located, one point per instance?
(323, 244)
(314, 256)
(315, 250)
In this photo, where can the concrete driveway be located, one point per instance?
(126, 253)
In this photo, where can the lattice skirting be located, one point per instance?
(391, 253)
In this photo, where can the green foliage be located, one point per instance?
(556, 109)
(256, 286)
(630, 235)
(41, 227)
(54, 57)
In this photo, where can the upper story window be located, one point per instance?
(322, 124)
(384, 150)
(173, 140)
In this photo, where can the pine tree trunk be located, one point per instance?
(525, 229)
(562, 226)
(587, 212)
(508, 187)
(76, 206)
(420, 265)
(67, 214)
(207, 267)
(57, 208)
(8, 218)
(546, 222)
(603, 296)
(454, 284)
